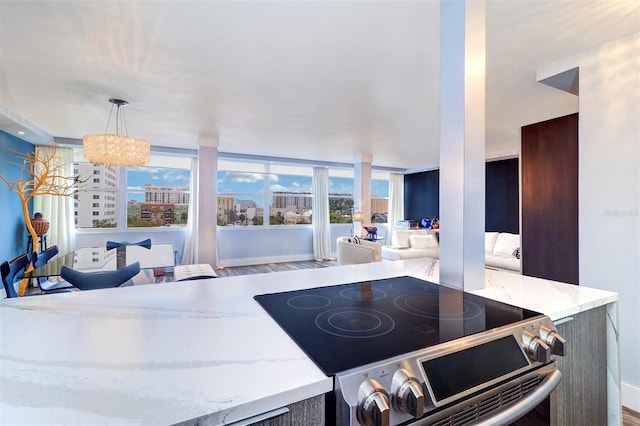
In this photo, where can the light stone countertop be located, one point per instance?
(174, 352)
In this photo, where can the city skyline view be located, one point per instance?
(239, 183)
(138, 177)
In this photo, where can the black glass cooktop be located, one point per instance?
(351, 325)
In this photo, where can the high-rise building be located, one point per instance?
(243, 205)
(96, 205)
(379, 205)
(166, 194)
(301, 200)
(226, 205)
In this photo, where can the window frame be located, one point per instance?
(121, 194)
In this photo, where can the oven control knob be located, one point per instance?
(536, 348)
(373, 404)
(553, 339)
(406, 394)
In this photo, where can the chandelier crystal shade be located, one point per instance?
(116, 149)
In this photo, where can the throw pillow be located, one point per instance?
(516, 253)
(506, 243)
(400, 239)
(423, 241)
(490, 241)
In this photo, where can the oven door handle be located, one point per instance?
(526, 404)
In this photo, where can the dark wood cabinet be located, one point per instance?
(581, 396)
(549, 172)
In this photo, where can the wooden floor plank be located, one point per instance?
(630, 417)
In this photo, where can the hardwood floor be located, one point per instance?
(273, 267)
(630, 417)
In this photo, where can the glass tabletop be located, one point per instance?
(99, 259)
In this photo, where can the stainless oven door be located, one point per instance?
(501, 405)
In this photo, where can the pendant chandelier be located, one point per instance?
(117, 149)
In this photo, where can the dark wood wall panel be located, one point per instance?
(422, 195)
(502, 204)
(549, 157)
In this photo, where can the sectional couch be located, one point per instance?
(502, 249)
(411, 243)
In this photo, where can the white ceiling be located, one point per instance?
(319, 80)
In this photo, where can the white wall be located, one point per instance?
(238, 246)
(609, 188)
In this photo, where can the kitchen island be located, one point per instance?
(198, 350)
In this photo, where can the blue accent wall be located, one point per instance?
(502, 192)
(13, 231)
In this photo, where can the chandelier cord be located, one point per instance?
(106, 129)
(123, 120)
(121, 123)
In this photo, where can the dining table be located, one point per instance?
(101, 259)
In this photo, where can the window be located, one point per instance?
(251, 192)
(157, 196)
(241, 193)
(290, 194)
(151, 196)
(341, 188)
(379, 196)
(259, 193)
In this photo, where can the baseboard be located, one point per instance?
(229, 263)
(630, 396)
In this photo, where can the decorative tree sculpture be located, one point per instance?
(41, 173)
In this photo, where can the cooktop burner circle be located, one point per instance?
(363, 295)
(355, 322)
(429, 306)
(309, 301)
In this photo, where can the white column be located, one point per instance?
(362, 188)
(207, 200)
(462, 145)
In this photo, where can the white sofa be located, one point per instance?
(357, 250)
(410, 243)
(500, 249)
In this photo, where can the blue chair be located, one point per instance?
(40, 259)
(144, 243)
(98, 280)
(11, 270)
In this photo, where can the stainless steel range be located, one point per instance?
(407, 351)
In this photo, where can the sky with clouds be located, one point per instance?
(241, 183)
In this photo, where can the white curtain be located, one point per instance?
(396, 202)
(320, 218)
(58, 210)
(190, 250)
